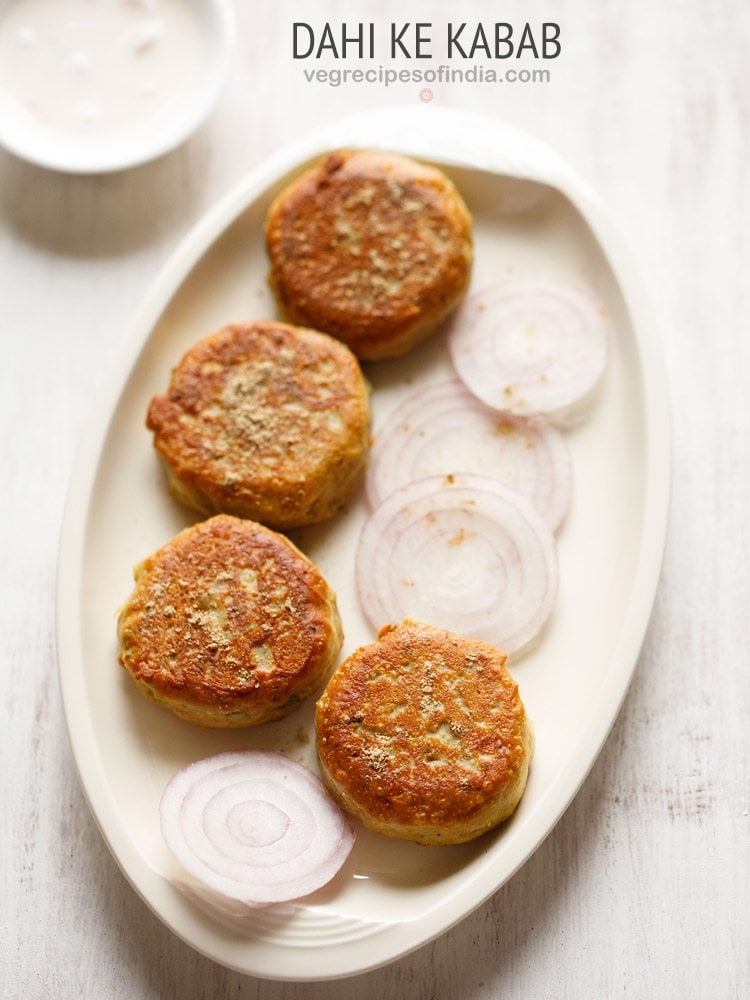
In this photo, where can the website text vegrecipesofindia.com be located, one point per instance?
(385, 76)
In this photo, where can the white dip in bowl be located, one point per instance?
(89, 86)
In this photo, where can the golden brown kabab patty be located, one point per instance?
(371, 247)
(423, 735)
(266, 421)
(229, 625)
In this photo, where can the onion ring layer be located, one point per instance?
(254, 826)
(531, 348)
(443, 430)
(463, 551)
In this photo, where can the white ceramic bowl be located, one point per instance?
(31, 139)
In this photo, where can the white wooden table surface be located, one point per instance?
(642, 889)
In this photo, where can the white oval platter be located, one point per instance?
(533, 216)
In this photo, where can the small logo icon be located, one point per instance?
(425, 95)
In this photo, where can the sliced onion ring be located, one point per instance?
(531, 348)
(442, 429)
(254, 826)
(468, 554)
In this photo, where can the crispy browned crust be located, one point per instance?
(371, 247)
(423, 735)
(266, 421)
(229, 625)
